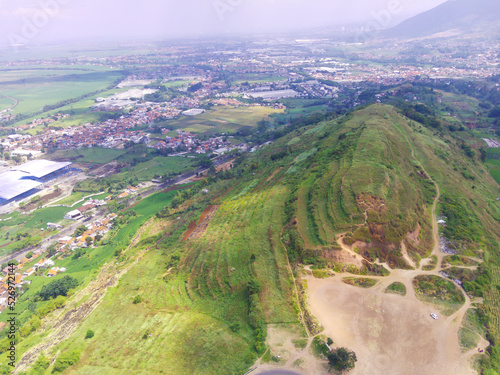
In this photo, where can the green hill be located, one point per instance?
(202, 305)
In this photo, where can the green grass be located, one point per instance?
(87, 155)
(396, 288)
(222, 120)
(35, 89)
(471, 330)
(157, 166)
(457, 260)
(361, 160)
(75, 197)
(5, 103)
(442, 293)
(360, 281)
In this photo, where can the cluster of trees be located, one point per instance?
(57, 288)
(341, 359)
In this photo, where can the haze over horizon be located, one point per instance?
(41, 21)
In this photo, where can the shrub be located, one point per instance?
(65, 360)
(137, 299)
(89, 334)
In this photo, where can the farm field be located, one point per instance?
(36, 88)
(5, 103)
(87, 155)
(158, 166)
(222, 120)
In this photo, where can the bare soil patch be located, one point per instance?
(198, 230)
(391, 335)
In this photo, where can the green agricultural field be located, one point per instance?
(36, 88)
(159, 166)
(87, 155)
(222, 120)
(5, 103)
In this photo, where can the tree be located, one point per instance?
(341, 359)
(51, 250)
(80, 230)
(88, 240)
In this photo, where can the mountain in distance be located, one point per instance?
(452, 17)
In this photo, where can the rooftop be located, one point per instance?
(11, 184)
(40, 168)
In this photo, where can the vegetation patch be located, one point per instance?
(360, 281)
(458, 260)
(396, 288)
(441, 292)
(433, 260)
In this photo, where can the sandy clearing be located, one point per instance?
(389, 333)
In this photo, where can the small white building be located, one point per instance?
(73, 215)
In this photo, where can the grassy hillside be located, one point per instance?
(202, 305)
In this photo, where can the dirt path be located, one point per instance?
(391, 334)
(16, 102)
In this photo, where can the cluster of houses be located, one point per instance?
(21, 273)
(94, 229)
(128, 191)
(189, 142)
(88, 206)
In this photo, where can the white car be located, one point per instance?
(434, 316)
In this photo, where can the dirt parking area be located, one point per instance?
(390, 334)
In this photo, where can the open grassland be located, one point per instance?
(5, 103)
(195, 295)
(493, 162)
(222, 120)
(396, 288)
(84, 268)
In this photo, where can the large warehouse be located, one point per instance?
(28, 178)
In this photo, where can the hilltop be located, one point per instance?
(453, 17)
(203, 286)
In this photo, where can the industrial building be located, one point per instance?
(27, 179)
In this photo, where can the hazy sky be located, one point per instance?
(33, 21)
